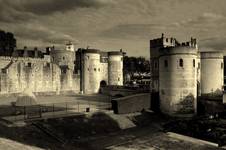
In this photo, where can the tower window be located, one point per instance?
(118, 79)
(62, 71)
(95, 69)
(156, 65)
(48, 65)
(166, 63)
(29, 64)
(181, 63)
(194, 63)
(63, 58)
(222, 65)
(4, 70)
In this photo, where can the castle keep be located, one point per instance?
(180, 73)
(55, 71)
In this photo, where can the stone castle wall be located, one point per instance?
(60, 72)
(36, 74)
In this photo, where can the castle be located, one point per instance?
(56, 71)
(180, 73)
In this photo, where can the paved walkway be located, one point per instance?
(7, 144)
(149, 138)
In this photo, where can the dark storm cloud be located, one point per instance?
(43, 34)
(131, 31)
(215, 43)
(205, 19)
(114, 24)
(45, 7)
(22, 10)
(13, 16)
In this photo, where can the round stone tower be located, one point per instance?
(64, 57)
(115, 68)
(212, 76)
(90, 71)
(178, 67)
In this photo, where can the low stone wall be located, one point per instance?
(132, 103)
(121, 91)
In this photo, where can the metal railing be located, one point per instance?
(54, 110)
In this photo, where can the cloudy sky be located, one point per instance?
(114, 24)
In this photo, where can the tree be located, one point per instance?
(132, 65)
(7, 43)
(136, 64)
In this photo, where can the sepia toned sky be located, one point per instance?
(114, 24)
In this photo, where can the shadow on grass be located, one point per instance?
(73, 128)
(70, 129)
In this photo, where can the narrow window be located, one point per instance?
(95, 69)
(198, 65)
(118, 79)
(156, 65)
(63, 58)
(4, 70)
(29, 64)
(222, 65)
(194, 63)
(99, 69)
(166, 63)
(181, 63)
(62, 71)
(166, 39)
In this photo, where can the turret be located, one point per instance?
(90, 71)
(64, 57)
(175, 76)
(212, 73)
(115, 68)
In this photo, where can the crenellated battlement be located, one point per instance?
(164, 42)
(9, 58)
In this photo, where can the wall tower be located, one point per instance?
(64, 58)
(90, 71)
(212, 73)
(115, 68)
(175, 75)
